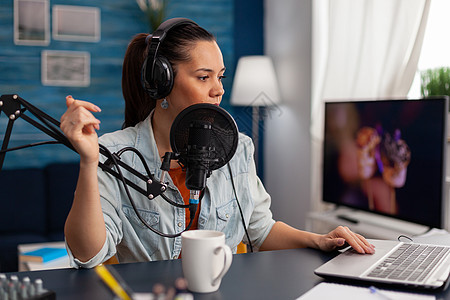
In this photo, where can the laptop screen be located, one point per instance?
(387, 157)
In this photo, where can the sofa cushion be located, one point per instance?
(8, 249)
(23, 198)
(61, 180)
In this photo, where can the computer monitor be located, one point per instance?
(387, 157)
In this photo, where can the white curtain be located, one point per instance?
(361, 49)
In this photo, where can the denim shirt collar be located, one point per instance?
(146, 144)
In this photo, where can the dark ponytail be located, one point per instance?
(137, 102)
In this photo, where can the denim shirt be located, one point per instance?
(131, 241)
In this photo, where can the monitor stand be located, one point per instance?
(368, 224)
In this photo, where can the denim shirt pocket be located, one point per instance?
(150, 241)
(224, 214)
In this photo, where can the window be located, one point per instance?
(436, 44)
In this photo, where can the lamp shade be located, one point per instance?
(255, 83)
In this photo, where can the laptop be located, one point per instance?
(407, 264)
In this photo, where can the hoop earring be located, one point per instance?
(164, 104)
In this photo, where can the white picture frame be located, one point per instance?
(76, 23)
(31, 22)
(65, 68)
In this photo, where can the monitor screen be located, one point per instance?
(387, 157)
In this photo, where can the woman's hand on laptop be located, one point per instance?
(342, 236)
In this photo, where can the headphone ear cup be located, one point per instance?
(146, 79)
(157, 73)
(162, 78)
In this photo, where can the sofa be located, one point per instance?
(34, 205)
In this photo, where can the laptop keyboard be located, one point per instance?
(410, 262)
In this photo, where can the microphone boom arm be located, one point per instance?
(15, 107)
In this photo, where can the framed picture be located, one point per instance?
(76, 23)
(31, 22)
(65, 68)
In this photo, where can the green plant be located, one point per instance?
(435, 82)
(155, 11)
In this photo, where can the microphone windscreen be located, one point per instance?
(222, 137)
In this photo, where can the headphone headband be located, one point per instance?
(167, 25)
(149, 70)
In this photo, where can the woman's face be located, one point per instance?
(198, 80)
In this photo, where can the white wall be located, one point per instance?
(287, 138)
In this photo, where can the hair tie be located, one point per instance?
(147, 38)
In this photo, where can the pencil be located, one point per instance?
(112, 282)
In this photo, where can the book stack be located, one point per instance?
(43, 255)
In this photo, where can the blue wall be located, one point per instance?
(236, 24)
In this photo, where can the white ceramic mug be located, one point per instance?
(205, 259)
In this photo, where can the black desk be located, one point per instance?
(284, 274)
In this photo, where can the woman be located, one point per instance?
(102, 223)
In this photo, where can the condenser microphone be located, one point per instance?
(205, 138)
(199, 153)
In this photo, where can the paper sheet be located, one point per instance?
(326, 290)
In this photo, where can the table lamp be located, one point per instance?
(255, 85)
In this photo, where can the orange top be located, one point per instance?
(179, 179)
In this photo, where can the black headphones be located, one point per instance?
(157, 73)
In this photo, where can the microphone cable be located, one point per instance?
(144, 163)
(30, 145)
(240, 209)
(122, 178)
(234, 191)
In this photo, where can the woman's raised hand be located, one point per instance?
(79, 125)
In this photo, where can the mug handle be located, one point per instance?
(227, 258)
